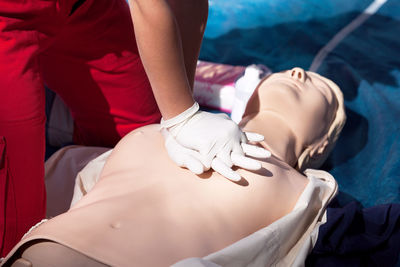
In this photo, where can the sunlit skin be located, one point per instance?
(156, 215)
(169, 35)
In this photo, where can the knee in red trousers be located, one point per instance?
(22, 201)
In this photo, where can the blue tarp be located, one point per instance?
(282, 34)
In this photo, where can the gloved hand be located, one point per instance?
(200, 140)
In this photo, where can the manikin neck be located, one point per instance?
(279, 137)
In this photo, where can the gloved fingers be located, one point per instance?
(254, 137)
(193, 164)
(225, 156)
(243, 138)
(184, 157)
(245, 162)
(239, 159)
(181, 155)
(210, 152)
(255, 151)
(206, 160)
(237, 149)
(220, 167)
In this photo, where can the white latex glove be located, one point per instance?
(200, 140)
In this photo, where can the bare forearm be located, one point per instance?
(160, 48)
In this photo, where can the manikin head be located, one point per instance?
(308, 105)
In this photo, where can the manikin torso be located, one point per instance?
(191, 215)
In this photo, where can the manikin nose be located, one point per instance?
(298, 74)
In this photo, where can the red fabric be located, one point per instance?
(91, 60)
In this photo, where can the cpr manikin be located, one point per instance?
(139, 215)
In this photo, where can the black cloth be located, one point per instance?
(357, 236)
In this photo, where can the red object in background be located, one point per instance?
(89, 57)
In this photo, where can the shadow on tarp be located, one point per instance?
(369, 59)
(356, 128)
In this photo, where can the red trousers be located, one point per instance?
(88, 55)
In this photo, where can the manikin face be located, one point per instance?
(304, 100)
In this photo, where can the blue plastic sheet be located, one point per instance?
(282, 34)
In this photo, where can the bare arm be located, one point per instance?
(168, 35)
(160, 48)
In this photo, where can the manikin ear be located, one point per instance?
(319, 149)
(314, 155)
